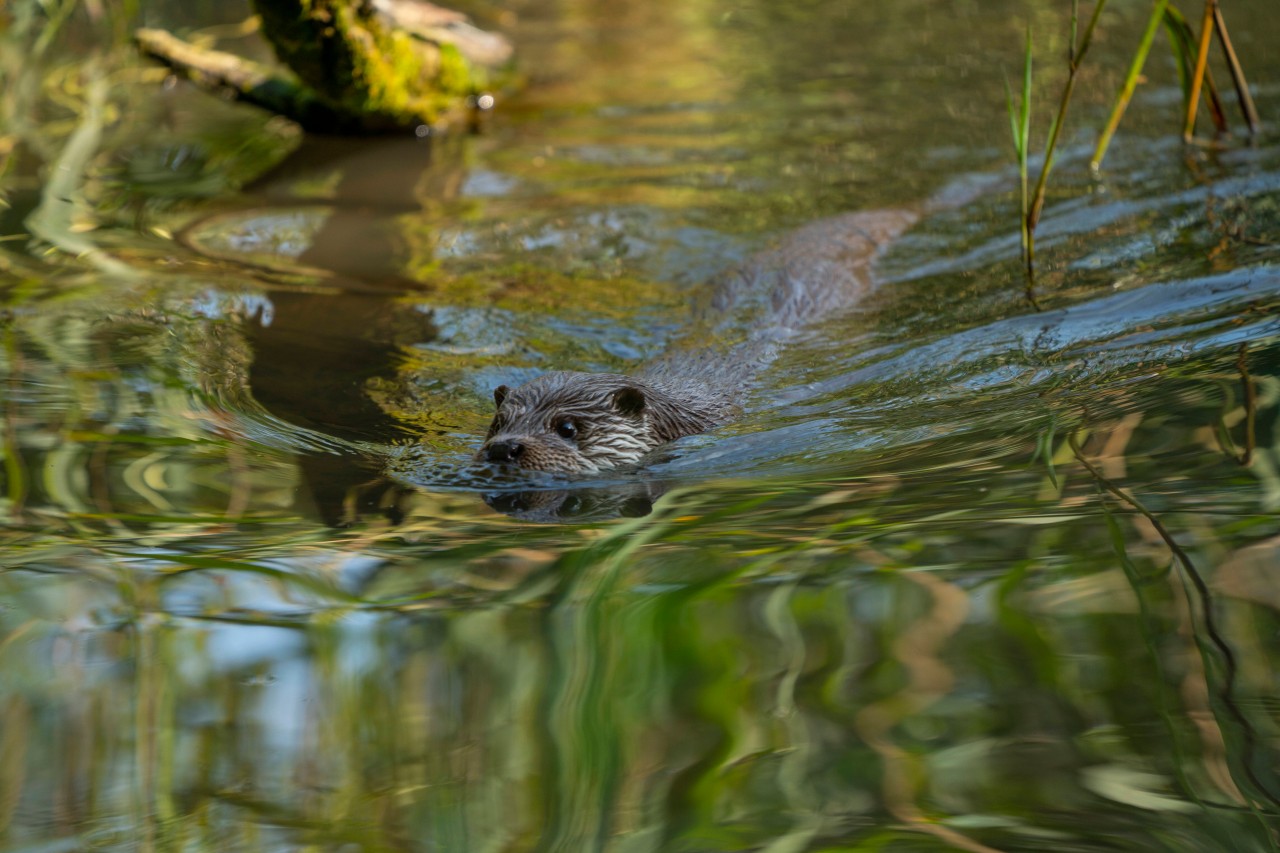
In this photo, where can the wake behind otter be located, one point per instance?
(573, 423)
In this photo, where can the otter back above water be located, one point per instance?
(572, 423)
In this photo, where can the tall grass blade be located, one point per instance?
(1198, 74)
(1077, 56)
(1026, 100)
(1020, 128)
(1027, 230)
(1237, 73)
(1180, 42)
(1130, 82)
(1183, 40)
(1014, 125)
(1075, 26)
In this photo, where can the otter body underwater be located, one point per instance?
(584, 423)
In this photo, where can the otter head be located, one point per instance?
(573, 423)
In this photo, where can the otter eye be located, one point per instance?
(566, 429)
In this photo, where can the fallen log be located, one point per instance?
(350, 66)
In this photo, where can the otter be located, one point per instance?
(585, 423)
(565, 422)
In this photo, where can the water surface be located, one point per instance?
(965, 575)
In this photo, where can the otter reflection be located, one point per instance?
(625, 500)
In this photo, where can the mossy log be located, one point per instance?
(357, 65)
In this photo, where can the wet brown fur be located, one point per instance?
(614, 420)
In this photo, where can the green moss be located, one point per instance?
(371, 75)
(455, 75)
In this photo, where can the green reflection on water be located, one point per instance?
(979, 581)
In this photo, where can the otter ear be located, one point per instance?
(629, 400)
(500, 394)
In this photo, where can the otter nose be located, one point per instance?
(503, 451)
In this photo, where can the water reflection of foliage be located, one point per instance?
(71, 75)
(680, 678)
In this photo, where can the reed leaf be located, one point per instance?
(1131, 81)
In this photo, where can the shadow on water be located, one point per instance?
(315, 350)
(312, 356)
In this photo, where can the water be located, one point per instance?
(964, 575)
